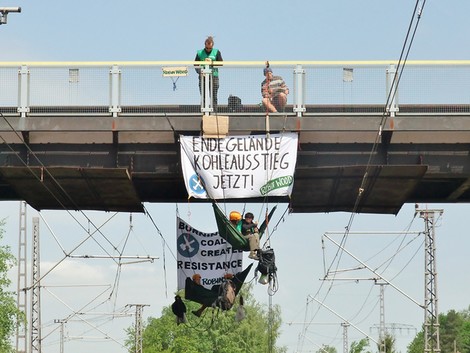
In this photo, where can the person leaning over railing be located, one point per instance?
(209, 54)
(274, 91)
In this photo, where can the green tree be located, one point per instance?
(449, 327)
(359, 347)
(463, 337)
(327, 349)
(417, 345)
(215, 332)
(10, 316)
(454, 331)
(389, 341)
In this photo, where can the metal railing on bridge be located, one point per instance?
(172, 88)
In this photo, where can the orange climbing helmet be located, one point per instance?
(235, 216)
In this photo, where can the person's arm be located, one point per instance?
(265, 89)
(249, 228)
(218, 57)
(284, 86)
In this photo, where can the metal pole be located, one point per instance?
(382, 319)
(115, 90)
(299, 90)
(372, 270)
(21, 297)
(345, 337)
(342, 318)
(23, 90)
(36, 291)
(392, 90)
(206, 90)
(138, 326)
(431, 313)
(61, 322)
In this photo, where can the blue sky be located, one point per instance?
(244, 30)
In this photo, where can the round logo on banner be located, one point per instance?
(187, 245)
(196, 184)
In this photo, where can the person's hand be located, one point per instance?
(208, 59)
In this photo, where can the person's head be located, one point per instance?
(177, 297)
(209, 43)
(249, 217)
(235, 217)
(268, 72)
(197, 278)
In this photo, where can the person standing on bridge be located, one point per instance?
(209, 54)
(274, 91)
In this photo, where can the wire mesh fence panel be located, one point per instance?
(345, 85)
(8, 87)
(174, 88)
(156, 89)
(78, 87)
(435, 85)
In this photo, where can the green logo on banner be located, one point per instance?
(277, 183)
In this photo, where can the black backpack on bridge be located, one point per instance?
(235, 104)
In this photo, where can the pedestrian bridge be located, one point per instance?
(104, 135)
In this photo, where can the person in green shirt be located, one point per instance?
(209, 54)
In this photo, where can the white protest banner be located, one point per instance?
(239, 166)
(206, 254)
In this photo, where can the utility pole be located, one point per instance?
(21, 330)
(345, 337)
(342, 318)
(138, 326)
(61, 322)
(382, 332)
(35, 320)
(431, 313)
(345, 326)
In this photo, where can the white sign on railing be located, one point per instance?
(174, 71)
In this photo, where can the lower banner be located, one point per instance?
(206, 254)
